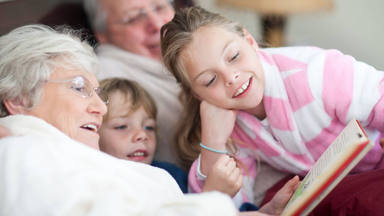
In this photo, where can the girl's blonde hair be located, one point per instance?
(175, 36)
(132, 91)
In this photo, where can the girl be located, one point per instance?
(282, 105)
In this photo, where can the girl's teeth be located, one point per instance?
(243, 88)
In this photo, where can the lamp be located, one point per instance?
(274, 14)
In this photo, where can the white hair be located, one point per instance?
(97, 15)
(28, 56)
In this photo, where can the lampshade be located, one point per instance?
(274, 14)
(278, 7)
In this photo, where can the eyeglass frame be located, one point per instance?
(142, 14)
(87, 94)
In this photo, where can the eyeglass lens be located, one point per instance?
(85, 88)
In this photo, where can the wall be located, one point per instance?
(21, 12)
(354, 27)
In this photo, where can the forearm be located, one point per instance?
(216, 126)
(209, 158)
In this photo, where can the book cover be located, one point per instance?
(334, 164)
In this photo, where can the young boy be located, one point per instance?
(129, 127)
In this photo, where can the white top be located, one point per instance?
(154, 78)
(44, 172)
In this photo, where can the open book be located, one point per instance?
(341, 156)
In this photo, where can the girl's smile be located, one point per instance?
(243, 90)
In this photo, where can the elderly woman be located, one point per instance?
(51, 105)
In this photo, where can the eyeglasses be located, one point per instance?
(83, 87)
(140, 15)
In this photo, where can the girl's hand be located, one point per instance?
(281, 198)
(224, 176)
(216, 125)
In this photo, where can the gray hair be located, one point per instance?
(97, 16)
(28, 56)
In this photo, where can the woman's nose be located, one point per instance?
(97, 105)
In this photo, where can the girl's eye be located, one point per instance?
(121, 127)
(234, 57)
(211, 81)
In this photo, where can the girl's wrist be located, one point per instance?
(215, 150)
(214, 143)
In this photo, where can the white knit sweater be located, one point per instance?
(44, 172)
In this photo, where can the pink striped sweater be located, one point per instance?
(310, 94)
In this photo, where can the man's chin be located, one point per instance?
(157, 59)
(155, 53)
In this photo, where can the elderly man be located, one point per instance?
(129, 35)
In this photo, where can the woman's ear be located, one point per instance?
(101, 37)
(15, 106)
(250, 39)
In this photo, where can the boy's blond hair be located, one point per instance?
(133, 93)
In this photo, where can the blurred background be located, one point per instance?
(354, 27)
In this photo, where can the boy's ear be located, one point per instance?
(250, 39)
(15, 106)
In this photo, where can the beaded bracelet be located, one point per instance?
(213, 150)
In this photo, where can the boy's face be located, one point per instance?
(228, 72)
(128, 135)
